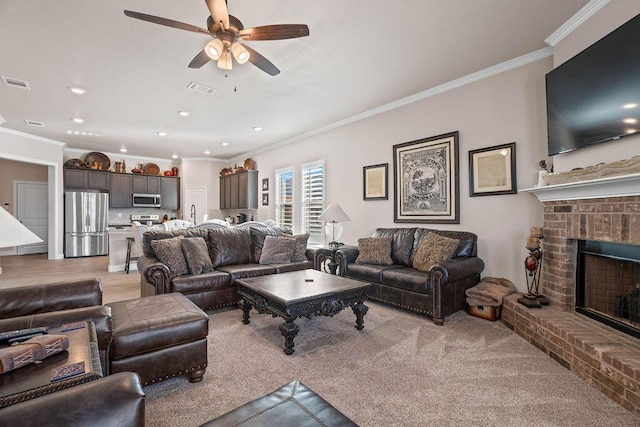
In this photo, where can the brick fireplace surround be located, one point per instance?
(607, 359)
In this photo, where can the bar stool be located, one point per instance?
(130, 241)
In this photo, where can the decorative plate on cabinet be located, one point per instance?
(151, 169)
(96, 160)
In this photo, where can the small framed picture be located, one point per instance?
(492, 170)
(265, 199)
(374, 182)
(265, 184)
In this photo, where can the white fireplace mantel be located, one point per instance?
(614, 186)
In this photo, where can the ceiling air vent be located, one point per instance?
(201, 88)
(34, 123)
(11, 82)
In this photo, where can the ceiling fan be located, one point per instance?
(227, 31)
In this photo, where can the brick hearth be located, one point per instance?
(603, 357)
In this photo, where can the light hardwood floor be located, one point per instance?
(36, 269)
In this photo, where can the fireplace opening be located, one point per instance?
(608, 284)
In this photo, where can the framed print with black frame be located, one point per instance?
(492, 170)
(265, 199)
(426, 185)
(265, 184)
(374, 182)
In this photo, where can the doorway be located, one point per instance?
(31, 208)
(195, 203)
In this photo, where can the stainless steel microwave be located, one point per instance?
(146, 200)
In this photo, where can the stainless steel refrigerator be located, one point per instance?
(85, 224)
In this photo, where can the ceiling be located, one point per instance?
(360, 54)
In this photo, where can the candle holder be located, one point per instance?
(533, 265)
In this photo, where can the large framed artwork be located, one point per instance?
(492, 170)
(426, 184)
(374, 182)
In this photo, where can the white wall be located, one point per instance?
(23, 147)
(501, 109)
(203, 173)
(610, 17)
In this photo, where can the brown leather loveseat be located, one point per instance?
(234, 253)
(438, 292)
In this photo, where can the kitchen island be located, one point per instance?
(118, 248)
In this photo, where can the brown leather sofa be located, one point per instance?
(55, 304)
(436, 293)
(116, 400)
(235, 253)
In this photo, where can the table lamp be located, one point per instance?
(333, 214)
(14, 233)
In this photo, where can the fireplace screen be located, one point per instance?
(609, 283)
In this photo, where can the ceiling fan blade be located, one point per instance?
(199, 60)
(235, 22)
(164, 21)
(219, 12)
(275, 32)
(261, 62)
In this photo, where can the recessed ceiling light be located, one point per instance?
(630, 121)
(630, 105)
(207, 152)
(77, 132)
(123, 150)
(183, 113)
(632, 130)
(224, 144)
(175, 156)
(77, 120)
(77, 90)
(257, 128)
(162, 133)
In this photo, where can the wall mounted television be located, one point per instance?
(594, 97)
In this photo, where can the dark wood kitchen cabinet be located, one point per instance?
(120, 191)
(146, 184)
(170, 192)
(86, 179)
(239, 190)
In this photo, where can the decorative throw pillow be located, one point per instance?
(277, 250)
(374, 250)
(300, 249)
(197, 255)
(433, 250)
(169, 252)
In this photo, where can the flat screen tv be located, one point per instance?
(595, 96)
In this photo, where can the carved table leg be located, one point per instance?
(289, 330)
(360, 310)
(246, 307)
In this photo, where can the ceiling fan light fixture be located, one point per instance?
(225, 61)
(214, 49)
(240, 53)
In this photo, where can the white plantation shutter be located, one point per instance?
(312, 177)
(284, 197)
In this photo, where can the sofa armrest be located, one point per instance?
(154, 273)
(113, 400)
(456, 269)
(346, 255)
(34, 299)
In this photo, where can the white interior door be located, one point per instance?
(195, 200)
(32, 209)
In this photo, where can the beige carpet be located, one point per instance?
(401, 370)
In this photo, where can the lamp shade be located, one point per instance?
(225, 61)
(240, 53)
(214, 49)
(13, 233)
(334, 213)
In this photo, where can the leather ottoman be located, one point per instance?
(159, 337)
(292, 405)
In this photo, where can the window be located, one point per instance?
(312, 185)
(284, 197)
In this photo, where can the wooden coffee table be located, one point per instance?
(302, 294)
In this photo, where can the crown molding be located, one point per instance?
(575, 21)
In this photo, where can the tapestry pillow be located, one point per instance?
(169, 252)
(300, 249)
(434, 249)
(374, 250)
(197, 255)
(277, 250)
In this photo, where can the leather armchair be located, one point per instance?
(55, 304)
(116, 400)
